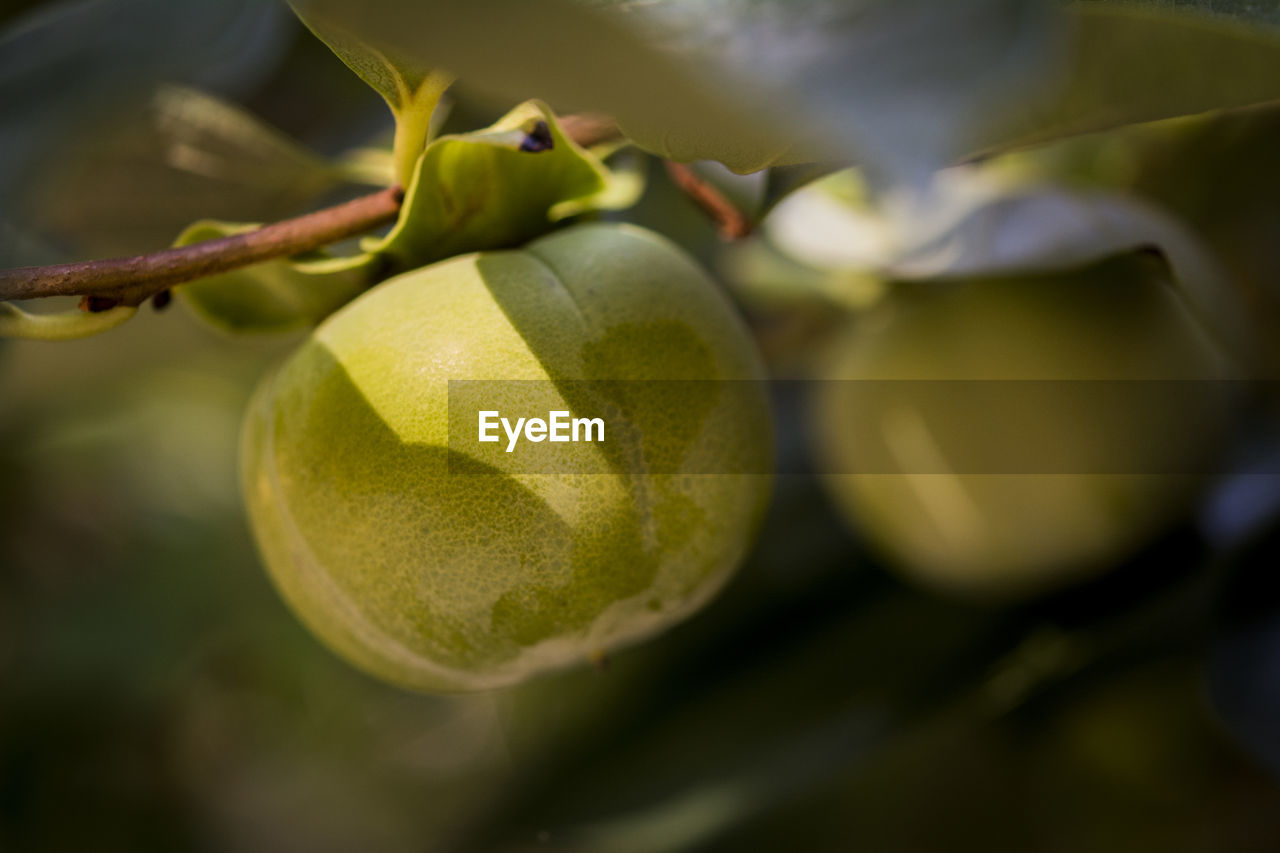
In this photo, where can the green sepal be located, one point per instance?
(494, 188)
(60, 326)
(276, 296)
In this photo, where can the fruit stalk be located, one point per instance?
(732, 223)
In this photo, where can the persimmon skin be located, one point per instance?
(1002, 533)
(445, 569)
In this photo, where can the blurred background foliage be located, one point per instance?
(155, 693)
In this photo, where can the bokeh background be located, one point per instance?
(155, 693)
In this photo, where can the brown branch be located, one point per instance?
(732, 222)
(130, 281)
(590, 129)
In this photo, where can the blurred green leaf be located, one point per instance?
(373, 166)
(182, 156)
(782, 181)
(904, 87)
(69, 70)
(1054, 207)
(1217, 175)
(578, 57)
(276, 296)
(1125, 65)
(771, 279)
(207, 135)
(897, 85)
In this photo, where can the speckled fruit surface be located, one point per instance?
(443, 570)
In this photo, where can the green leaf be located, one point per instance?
(782, 181)
(128, 187)
(1253, 11)
(1218, 174)
(68, 70)
(580, 57)
(1198, 189)
(903, 86)
(410, 87)
(989, 220)
(373, 166)
(894, 84)
(494, 188)
(772, 280)
(391, 74)
(1126, 65)
(59, 326)
(277, 296)
(625, 182)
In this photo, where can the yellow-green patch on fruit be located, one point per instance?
(441, 569)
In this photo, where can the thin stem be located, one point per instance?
(732, 222)
(130, 281)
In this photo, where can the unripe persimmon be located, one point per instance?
(447, 567)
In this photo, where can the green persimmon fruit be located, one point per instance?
(1002, 489)
(442, 569)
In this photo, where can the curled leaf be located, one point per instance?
(494, 188)
(60, 326)
(490, 189)
(277, 296)
(625, 182)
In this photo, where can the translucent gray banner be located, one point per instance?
(868, 427)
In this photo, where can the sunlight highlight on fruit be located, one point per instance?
(436, 568)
